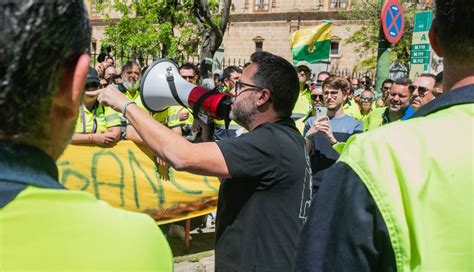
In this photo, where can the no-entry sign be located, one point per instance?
(393, 20)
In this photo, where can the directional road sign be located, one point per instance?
(393, 20)
(420, 53)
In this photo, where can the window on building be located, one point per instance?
(262, 5)
(258, 43)
(338, 4)
(335, 48)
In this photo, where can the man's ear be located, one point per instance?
(434, 41)
(71, 86)
(263, 97)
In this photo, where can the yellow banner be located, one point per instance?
(127, 177)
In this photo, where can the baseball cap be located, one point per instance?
(92, 76)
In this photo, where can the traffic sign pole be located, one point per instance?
(383, 58)
(391, 31)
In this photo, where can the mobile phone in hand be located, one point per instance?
(321, 112)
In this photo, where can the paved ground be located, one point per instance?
(199, 257)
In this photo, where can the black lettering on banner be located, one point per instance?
(96, 183)
(159, 192)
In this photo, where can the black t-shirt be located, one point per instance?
(263, 205)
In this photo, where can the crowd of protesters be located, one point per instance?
(320, 175)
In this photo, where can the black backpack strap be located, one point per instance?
(463, 95)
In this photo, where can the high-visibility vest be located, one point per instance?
(420, 174)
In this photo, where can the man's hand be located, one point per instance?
(326, 129)
(323, 125)
(183, 114)
(103, 139)
(316, 127)
(111, 97)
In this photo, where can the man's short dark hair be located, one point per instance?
(39, 41)
(129, 64)
(388, 80)
(455, 32)
(280, 78)
(190, 66)
(229, 70)
(337, 83)
(403, 81)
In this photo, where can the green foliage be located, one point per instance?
(365, 40)
(162, 28)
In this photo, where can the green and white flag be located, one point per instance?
(312, 44)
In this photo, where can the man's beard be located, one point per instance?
(243, 114)
(131, 85)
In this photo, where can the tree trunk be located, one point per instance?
(212, 33)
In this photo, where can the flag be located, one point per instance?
(312, 44)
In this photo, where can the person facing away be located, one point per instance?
(44, 226)
(400, 197)
(266, 177)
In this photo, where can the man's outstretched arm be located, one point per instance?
(202, 158)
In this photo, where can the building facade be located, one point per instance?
(267, 25)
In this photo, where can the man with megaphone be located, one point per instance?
(266, 185)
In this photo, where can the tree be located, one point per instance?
(212, 29)
(172, 29)
(366, 38)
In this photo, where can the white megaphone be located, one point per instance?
(161, 86)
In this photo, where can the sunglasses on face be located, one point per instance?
(385, 88)
(421, 90)
(318, 96)
(366, 98)
(188, 77)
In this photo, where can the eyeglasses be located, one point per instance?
(239, 85)
(188, 77)
(363, 82)
(366, 98)
(314, 96)
(421, 90)
(385, 88)
(333, 93)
